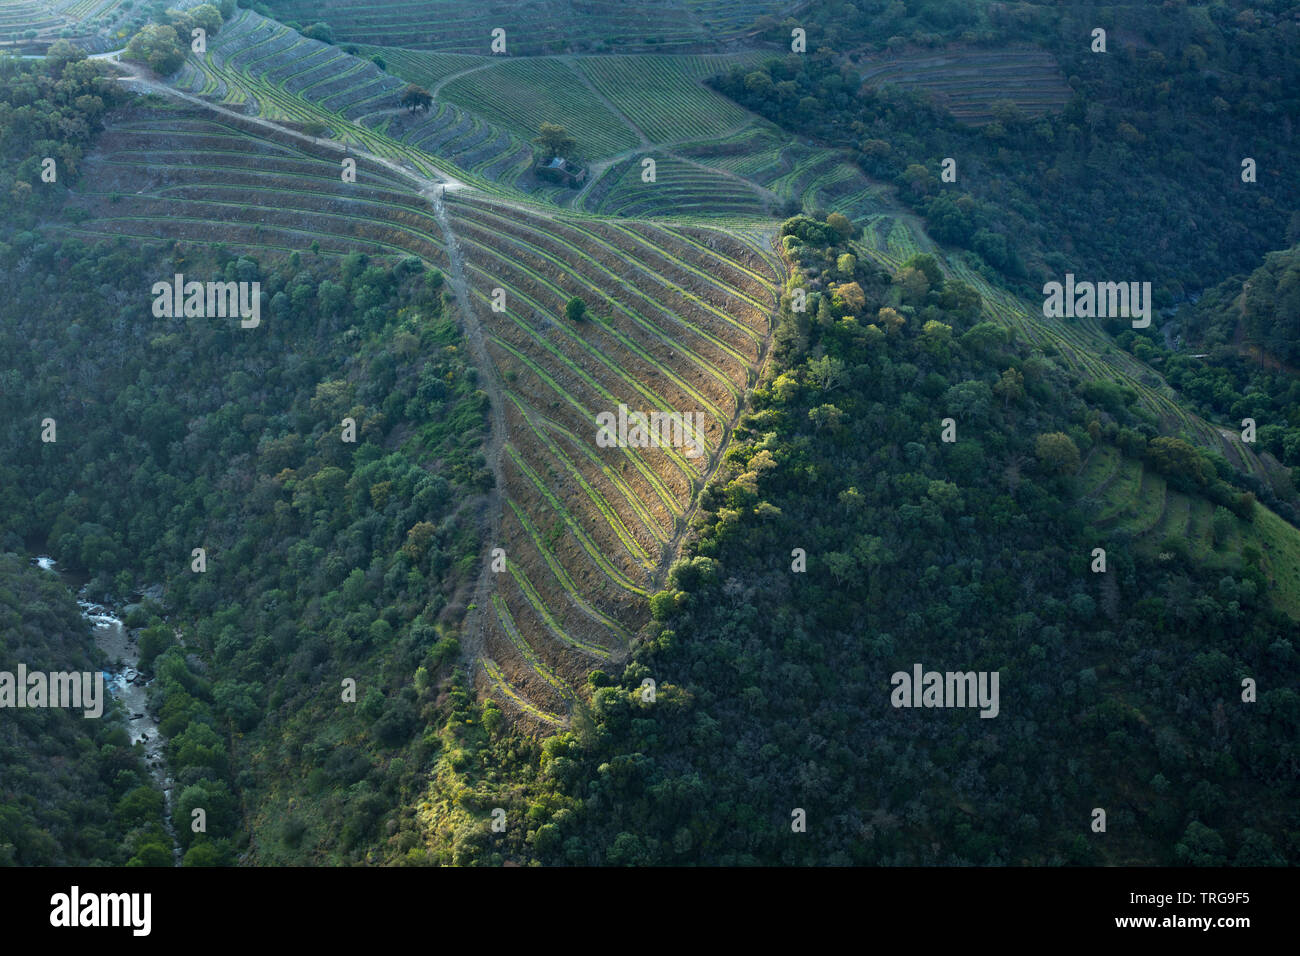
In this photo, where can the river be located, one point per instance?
(125, 683)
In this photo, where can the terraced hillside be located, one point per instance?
(680, 187)
(30, 26)
(520, 94)
(664, 97)
(713, 160)
(660, 99)
(969, 81)
(1125, 496)
(181, 173)
(263, 67)
(798, 174)
(677, 275)
(678, 320)
(549, 26)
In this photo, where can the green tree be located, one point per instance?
(60, 54)
(1200, 846)
(915, 285)
(199, 746)
(936, 338)
(1058, 453)
(840, 223)
(759, 83)
(555, 140)
(415, 98)
(1224, 522)
(220, 811)
(826, 372)
(151, 854)
(1010, 387)
(209, 853)
(826, 417)
(158, 47)
(140, 807)
(418, 539)
(319, 31)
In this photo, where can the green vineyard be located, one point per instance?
(549, 26)
(29, 26)
(664, 97)
(521, 94)
(968, 82)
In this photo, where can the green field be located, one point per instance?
(264, 67)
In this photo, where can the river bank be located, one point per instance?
(124, 681)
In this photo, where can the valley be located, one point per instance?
(509, 241)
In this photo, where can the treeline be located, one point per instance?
(1138, 177)
(51, 110)
(844, 540)
(324, 561)
(163, 46)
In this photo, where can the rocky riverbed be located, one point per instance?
(124, 680)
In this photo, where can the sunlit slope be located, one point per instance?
(678, 318)
(678, 321)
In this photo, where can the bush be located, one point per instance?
(153, 641)
(809, 230)
(319, 31)
(1058, 453)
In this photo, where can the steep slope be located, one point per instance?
(678, 321)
